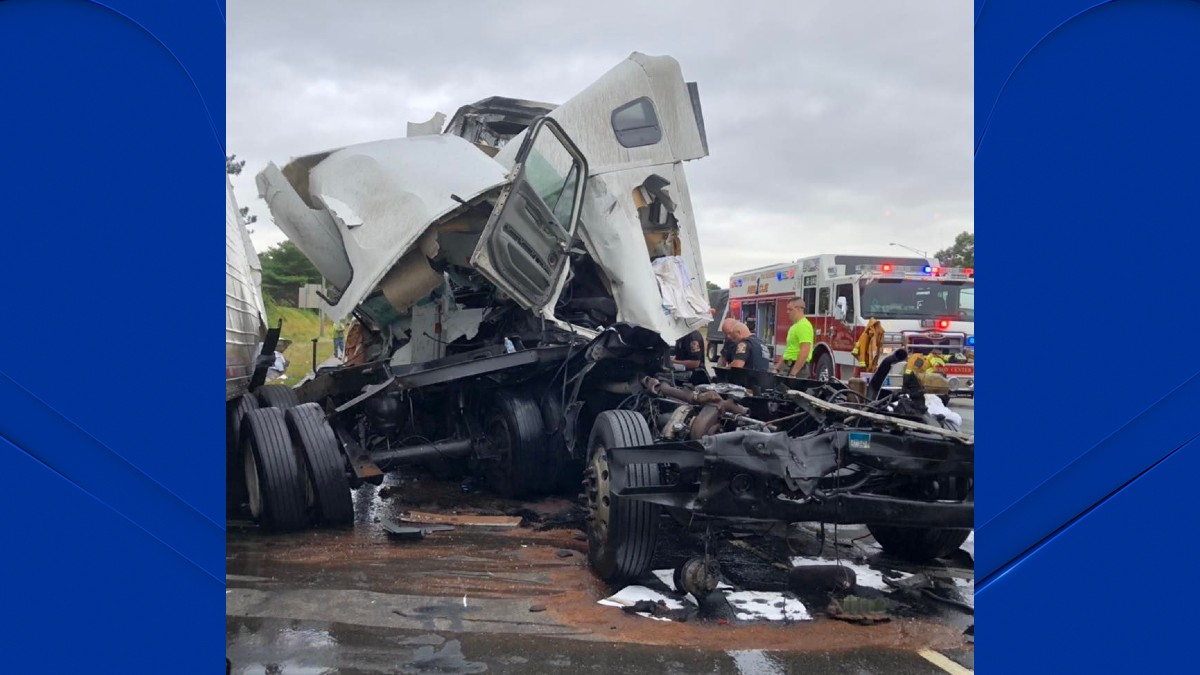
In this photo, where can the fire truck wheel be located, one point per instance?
(824, 369)
(324, 463)
(513, 427)
(621, 533)
(918, 544)
(277, 396)
(274, 477)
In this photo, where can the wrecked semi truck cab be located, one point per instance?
(487, 269)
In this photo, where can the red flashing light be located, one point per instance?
(943, 324)
(886, 267)
(970, 271)
(937, 271)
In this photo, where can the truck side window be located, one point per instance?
(635, 124)
(823, 304)
(847, 291)
(810, 300)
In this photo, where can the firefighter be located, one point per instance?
(797, 355)
(936, 360)
(749, 352)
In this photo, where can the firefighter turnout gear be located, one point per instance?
(869, 347)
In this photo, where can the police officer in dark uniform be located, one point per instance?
(689, 354)
(749, 352)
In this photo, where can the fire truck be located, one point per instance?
(920, 305)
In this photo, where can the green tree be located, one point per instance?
(234, 167)
(284, 271)
(961, 254)
(711, 286)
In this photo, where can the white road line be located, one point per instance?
(941, 661)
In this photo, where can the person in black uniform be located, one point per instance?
(689, 351)
(750, 352)
(728, 344)
(689, 354)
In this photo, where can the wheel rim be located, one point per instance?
(250, 466)
(498, 437)
(599, 494)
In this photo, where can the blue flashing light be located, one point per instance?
(971, 341)
(926, 269)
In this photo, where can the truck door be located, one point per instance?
(522, 249)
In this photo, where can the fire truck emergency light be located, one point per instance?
(886, 267)
(926, 269)
(943, 324)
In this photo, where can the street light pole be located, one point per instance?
(914, 250)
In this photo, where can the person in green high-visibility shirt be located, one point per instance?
(339, 340)
(797, 355)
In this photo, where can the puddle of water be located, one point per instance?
(756, 662)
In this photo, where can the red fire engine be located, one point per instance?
(920, 305)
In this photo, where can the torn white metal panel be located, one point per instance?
(612, 234)
(588, 116)
(245, 315)
(313, 230)
(432, 127)
(396, 189)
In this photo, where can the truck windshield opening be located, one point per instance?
(917, 299)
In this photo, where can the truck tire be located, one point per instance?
(562, 472)
(235, 476)
(918, 544)
(237, 412)
(324, 463)
(622, 533)
(824, 364)
(274, 478)
(513, 426)
(277, 396)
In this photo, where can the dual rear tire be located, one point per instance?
(293, 468)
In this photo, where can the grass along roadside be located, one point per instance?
(300, 326)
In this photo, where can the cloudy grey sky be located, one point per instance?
(833, 126)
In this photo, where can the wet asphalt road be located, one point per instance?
(966, 408)
(313, 648)
(357, 601)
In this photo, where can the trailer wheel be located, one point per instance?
(324, 462)
(513, 427)
(274, 478)
(824, 369)
(237, 412)
(918, 544)
(235, 475)
(622, 533)
(277, 396)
